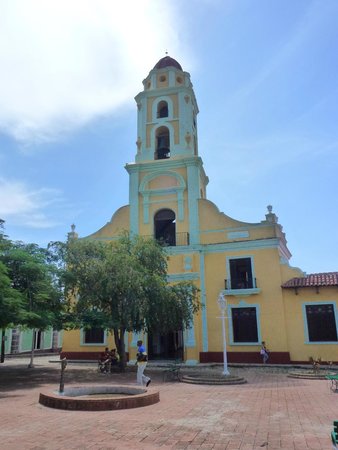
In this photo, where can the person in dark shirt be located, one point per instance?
(104, 361)
(105, 355)
(114, 358)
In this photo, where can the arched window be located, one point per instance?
(165, 227)
(162, 109)
(162, 143)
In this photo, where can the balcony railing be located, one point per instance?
(172, 240)
(237, 283)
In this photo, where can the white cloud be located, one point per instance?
(22, 205)
(65, 62)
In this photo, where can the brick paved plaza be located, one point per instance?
(271, 411)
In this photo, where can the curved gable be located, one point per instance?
(117, 224)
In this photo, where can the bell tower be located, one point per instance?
(167, 177)
(167, 112)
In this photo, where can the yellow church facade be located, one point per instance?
(267, 299)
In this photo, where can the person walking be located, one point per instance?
(264, 352)
(142, 359)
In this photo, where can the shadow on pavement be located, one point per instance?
(17, 377)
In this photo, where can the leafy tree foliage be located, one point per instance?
(122, 286)
(11, 304)
(30, 293)
(35, 280)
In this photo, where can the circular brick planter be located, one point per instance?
(78, 398)
(212, 379)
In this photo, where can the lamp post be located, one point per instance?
(222, 303)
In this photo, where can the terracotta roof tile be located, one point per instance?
(313, 279)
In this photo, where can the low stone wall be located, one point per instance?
(131, 397)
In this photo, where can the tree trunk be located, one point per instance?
(123, 350)
(55, 341)
(119, 341)
(2, 358)
(31, 363)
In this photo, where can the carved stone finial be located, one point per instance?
(139, 143)
(72, 234)
(187, 138)
(271, 217)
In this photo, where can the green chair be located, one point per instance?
(334, 435)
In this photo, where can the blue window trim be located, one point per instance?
(306, 329)
(96, 344)
(230, 258)
(243, 304)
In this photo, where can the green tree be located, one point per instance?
(35, 278)
(122, 286)
(11, 306)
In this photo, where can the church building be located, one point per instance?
(267, 299)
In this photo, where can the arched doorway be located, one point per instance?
(165, 227)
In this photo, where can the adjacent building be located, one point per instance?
(20, 340)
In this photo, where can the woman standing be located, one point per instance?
(264, 352)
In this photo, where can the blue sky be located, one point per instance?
(265, 78)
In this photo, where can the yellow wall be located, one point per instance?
(299, 350)
(151, 100)
(215, 226)
(162, 80)
(269, 299)
(73, 339)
